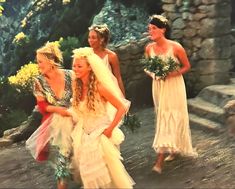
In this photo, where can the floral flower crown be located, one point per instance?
(102, 29)
(82, 52)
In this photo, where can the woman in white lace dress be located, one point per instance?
(98, 39)
(172, 125)
(96, 158)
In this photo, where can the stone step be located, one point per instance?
(232, 81)
(205, 109)
(200, 123)
(218, 94)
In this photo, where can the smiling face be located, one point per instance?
(94, 39)
(45, 65)
(81, 68)
(155, 33)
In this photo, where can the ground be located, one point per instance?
(214, 168)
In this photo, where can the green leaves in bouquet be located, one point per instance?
(131, 122)
(160, 67)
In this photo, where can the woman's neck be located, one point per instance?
(161, 42)
(99, 51)
(53, 74)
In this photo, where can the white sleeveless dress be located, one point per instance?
(172, 132)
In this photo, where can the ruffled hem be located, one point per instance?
(169, 149)
(99, 160)
(173, 134)
(56, 130)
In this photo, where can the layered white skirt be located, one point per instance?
(96, 158)
(172, 133)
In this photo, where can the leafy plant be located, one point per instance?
(67, 45)
(131, 122)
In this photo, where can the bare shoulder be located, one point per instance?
(149, 46)
(111, 53)
(176, 46)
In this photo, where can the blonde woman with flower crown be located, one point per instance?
(53, 91)
(98, 39)
(96, 159)
(172, 135)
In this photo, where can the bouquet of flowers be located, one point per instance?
(161, 68)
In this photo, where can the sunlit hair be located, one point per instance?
(102, 31)
(161, 22)
(51, 51)
(78, 85)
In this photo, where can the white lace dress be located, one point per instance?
(96, 158)
(172, 123)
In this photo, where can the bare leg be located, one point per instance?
(171, 157)
(159, 164)
(61, 184)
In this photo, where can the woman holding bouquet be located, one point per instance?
(173, 134)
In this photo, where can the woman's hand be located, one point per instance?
(173, 74)
(108, 132)
(63, 112)
(151, 74)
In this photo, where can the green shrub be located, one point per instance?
(67, 45)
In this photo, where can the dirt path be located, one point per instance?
(214, 168)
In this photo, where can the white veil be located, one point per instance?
(104, 76)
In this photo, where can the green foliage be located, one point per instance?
(66, 46)
(12, 99)
(161, 68)
(15, 106)
(131, 122)
(12, 119)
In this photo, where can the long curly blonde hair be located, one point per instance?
(52, 52)
(78, 87)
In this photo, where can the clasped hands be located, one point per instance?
(152, 75)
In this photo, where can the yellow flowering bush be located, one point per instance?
(23, 22)
(24, 77)
(1, 7)
(65, 2)
(19, 37)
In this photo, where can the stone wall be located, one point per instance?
(203, 27)
(137, 83)
(233, 51)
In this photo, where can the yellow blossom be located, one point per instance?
(24, 77)
(20, 36)
(23, 22)
(66, 2)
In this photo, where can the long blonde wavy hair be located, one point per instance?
(77, 87)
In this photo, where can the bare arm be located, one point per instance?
(114, 62)
(53, 109)
(121, 109)
(183, 59)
